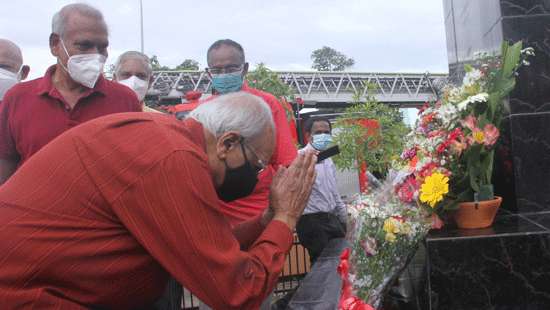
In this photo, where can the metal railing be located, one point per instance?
(337, 87)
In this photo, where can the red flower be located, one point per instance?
(406, 190)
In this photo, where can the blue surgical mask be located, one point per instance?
(321, 141)
(227, 82)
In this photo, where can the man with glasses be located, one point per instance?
(227, 69)
(71, 92)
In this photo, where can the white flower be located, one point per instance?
(471, 77)
(526, 63)
(529, 51)
(481, 97)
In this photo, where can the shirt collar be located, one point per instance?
(46, 84)
(196, 132)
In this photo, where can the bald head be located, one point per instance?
(11, 58)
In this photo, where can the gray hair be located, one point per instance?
(134, 55)
(242, 112)
(59, 20)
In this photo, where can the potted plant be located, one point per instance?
(451, 150)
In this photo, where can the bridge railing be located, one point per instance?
(320, 86)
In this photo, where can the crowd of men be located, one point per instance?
(99, 208)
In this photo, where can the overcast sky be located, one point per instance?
(381, 35)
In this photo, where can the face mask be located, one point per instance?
(321, 141)
(138, 85)
(227, 82)
(238, 182)
(7, 80)
(84, 68)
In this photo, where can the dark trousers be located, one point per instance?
(316, 229)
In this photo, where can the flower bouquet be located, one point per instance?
(447, 159)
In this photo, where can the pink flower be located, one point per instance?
(491, 134)
(437, 223)
(470, 122)
(369, 246)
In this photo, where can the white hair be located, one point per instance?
(59, 20)
(134, 55)
(242, 112)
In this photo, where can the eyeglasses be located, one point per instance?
(226, 69)
(260, 165)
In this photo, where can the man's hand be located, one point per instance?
(291, 187)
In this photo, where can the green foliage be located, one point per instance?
(187, 64)
(377, 149)
(263, 78)
(329, 59)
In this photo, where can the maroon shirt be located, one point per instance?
(101, 215)
(34, 113)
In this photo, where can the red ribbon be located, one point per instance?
(348, 301)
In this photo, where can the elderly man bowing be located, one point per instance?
(104, 214)
(71, 92)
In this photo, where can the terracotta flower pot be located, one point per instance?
(471, 215)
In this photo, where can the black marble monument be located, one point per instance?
(506, 266)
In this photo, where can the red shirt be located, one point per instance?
(104, 213)
(34, 113)
(285, 151)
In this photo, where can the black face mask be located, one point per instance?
(238, 182)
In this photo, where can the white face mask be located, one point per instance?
(7, 80)
(138, 85)
(84, 68)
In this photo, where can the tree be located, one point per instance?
(329, 59)
(188, 64)
(263, 78)
(156, 64)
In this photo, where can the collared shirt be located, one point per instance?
(33, 113)
(324, 195)
(285, 152)
(102, 215)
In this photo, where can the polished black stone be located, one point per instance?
(524, 7)
(531, 142)
(504, 226)
(520, 173)
(506, 266)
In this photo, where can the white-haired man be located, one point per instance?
(71, 92)
(12, 70)
(134, 70)
(121, 202)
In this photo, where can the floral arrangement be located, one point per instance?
(447, 159)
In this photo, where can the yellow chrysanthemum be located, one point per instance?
(434, 188)
(390, 237)
(478, 136)
(391, 226)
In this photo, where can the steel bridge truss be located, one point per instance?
(314, 87)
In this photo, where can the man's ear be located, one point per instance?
(54, 44)
(227, 142)
(25, 72)
(245, 69)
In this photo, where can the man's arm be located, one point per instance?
(285, 150)
(7, 168)
(173, 212)
(8, 153)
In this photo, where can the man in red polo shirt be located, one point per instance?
(12, 70)
(103, 214)
(72, 91)
(227, 69)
